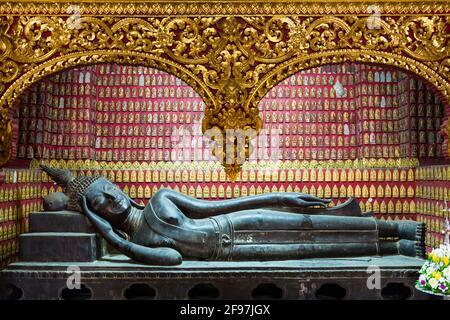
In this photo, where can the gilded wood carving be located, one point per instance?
(231, 53)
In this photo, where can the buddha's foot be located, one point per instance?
(420, 240)
(420, 250)
(411, 248)
(420, 232)
(411, 230)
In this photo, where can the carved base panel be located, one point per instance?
(114, 277)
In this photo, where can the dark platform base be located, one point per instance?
(114, 277)
(60, 236)
(58, 246)
(59, 221)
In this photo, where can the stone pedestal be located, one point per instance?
(116, 277)
(58, 246)
(63, 245)
(60, 236)
(59, 221)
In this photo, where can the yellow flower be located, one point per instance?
(435, 258)
(445, 260)
(437, 275)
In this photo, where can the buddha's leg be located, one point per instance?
(263, 219)
(326, 250)
(403, 246)
(266, 234)
(409, 230)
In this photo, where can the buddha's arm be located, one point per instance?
(195, 208)
(157, 256)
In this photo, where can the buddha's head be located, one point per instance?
(107, 200)
(102, 196)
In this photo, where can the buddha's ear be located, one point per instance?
(136, 205)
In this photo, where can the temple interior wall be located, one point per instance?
(335, 131)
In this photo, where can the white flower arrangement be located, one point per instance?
(435, 273)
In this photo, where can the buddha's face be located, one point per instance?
(106, 199)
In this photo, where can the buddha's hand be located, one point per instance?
(296, 199)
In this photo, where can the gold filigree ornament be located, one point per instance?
(231, 53)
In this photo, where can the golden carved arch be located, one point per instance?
(73, 60)
(298, 64)
(69, 61)
(230, 52)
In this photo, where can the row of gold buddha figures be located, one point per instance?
(19, 184)
(9, 240)
(12, 192)
(434, 215)
(261, 165)
(269, 175)
(12, 230)
(156, 173)
(433, 224)
(16, 210)
(8, 251)
(20, 194)
(227, 191)
(16, 192)
(394, 204)
(303, 175)
(382, 200)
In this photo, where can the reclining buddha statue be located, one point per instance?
(273, 226)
